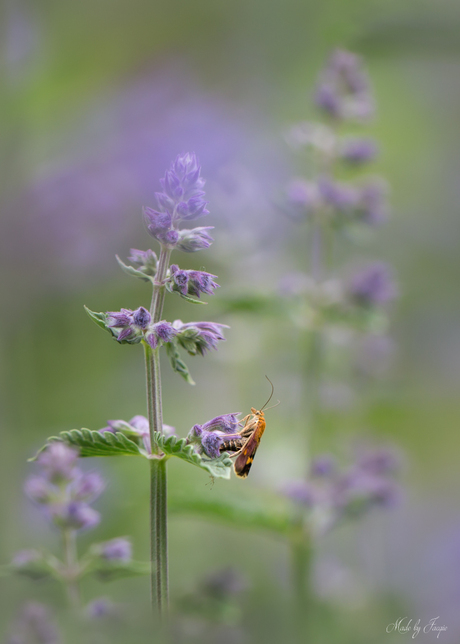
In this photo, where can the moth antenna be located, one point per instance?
(278, 403)
(273, 389)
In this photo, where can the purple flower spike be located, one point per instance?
(190, 241)
(181, 200)
(117, 550)
(373, 285)
(59, 461)
(141, 318)
(343, 91)
(301, 492)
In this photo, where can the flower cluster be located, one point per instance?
(145, 261)
(339, 202)
(198, 337)
(330, 494)
(209, 437)
(134, 326)
(343, 90)
(182, 199)
(63, 490)
(187, 282)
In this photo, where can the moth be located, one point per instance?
(244, 445)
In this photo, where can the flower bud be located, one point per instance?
(116, 550)
(189, 241)
(141, 318)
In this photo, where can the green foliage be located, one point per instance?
(177, 363)
(173, 446)
(134, 272)
(98, 318)
(266, 515)
(93, 443)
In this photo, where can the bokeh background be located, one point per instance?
(97, 99)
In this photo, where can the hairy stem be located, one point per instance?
(158, 491)
(71, 561)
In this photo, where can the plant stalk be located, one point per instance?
(158, 481)
(71, 561)
(301, 581)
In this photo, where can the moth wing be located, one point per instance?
(244, 460)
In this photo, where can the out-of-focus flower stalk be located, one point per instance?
(158, 481)
(69, 540)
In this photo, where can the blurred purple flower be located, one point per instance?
(340, 196)
(372, 285)
(343, 90)
(100, 608)
(58, 461)
(74, 515)
(34, 624)
(358, 150)
(372, 205)
(119, 549)
(227, 423)
(39, 489)
(87, 486)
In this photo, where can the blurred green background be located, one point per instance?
(97, 99)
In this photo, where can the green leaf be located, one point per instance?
(173, 446)
(177, 363)
(134, 272)
(98, 318)
(191, 299)
(93, 443)
(112, 570)
(266, 515)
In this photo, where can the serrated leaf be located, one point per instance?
(98, 318)
(172, 446)
(177, 363)
(93, 443)
(130, 270)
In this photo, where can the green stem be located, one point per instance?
(301, 573)
(71, 561)
(158, 490)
